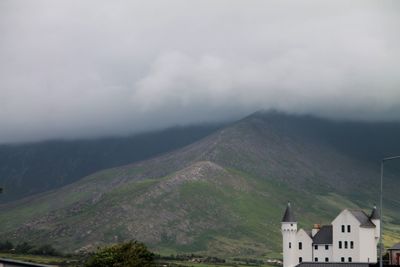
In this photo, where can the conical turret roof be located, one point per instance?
(375, 215)
(288, 216)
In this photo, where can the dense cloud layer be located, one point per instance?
(87, 68)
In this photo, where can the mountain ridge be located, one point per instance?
(222, 195)
(31, 168)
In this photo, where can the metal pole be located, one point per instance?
(380, 225)
(381, 209)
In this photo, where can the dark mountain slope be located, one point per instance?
(223, 195)
(26, 169)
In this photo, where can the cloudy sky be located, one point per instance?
(72, 68)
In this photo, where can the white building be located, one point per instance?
(352, 236)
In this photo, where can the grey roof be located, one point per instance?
(324, 235)
(375, 214)
(332, 264)
(363, 218)
(395, 247)
(288, 216)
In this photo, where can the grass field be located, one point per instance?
(74, 262)
(193, 264)
(49, 260)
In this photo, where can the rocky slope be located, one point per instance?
(27, 169)
(223, 195)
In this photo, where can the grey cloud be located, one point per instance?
(78, 69)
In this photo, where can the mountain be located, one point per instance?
(224, 194)
(27, 169)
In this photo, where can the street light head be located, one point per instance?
(390, 158)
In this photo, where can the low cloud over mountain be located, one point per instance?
(79, 69)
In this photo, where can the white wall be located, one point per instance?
(321, 253)
(346, 218)
(367, 245)
(289, 231)
(377, 230)
(364, 240)
(306, 251)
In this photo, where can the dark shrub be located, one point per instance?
(6, 246)
(131, 254)
(23, 248)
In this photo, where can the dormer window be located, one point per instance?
(300, 245)
(348, 228)
(343, 228)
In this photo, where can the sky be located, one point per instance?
(79, 69)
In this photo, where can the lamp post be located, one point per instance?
(381, 210)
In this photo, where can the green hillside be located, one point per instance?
(27, 169)
(223, 195)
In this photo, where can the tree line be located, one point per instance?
(128, 254)
(26, 248)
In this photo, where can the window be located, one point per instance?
(350, 259)
(342, 259)
(300, 259)
(316, 259)
(326, 259)
(348, 228)
(340, 244)
(345, 244)
(326, 247)
(290, 244)
(300, 245)
(316, 247)
(343, 228)
(291, 224)
(351, 244)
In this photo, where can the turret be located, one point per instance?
(376, 219)
(289, 230)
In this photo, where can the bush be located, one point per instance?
(45, 250)
(6, 246)
(23, 248)
(131, 254)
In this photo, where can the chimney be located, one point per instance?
(315, 229)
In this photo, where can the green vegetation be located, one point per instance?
(222, 196)
(130, 254)
(41, 259)
(32, 168)
(26, 248)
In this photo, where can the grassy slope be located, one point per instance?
(226, 212)
(48, 260)
(27, 169)
(223, 196)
